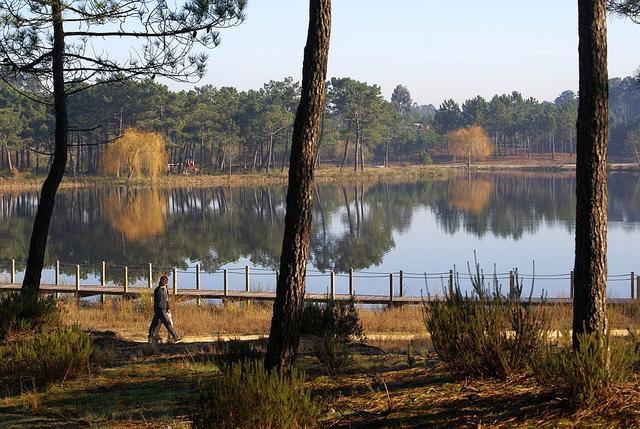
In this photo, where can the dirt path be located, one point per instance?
(374, 336)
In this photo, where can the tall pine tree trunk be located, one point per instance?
(287, 308)
(346, 147)
(589, 302)
(39, 235)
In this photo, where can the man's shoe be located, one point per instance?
(177, 339)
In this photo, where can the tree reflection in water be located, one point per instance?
(470, 195)
(354, 225)
(138, 214)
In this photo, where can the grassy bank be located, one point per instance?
(323, 175)
(140, 386)
(132, 384)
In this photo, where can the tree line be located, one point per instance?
(220, 129)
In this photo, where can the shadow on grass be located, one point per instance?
(122, 398)
(473, 411)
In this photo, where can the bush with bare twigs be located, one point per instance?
(488, 333)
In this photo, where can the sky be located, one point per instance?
(438, 49)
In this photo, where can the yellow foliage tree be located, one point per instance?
(138, 215)
(135, 154)
(470, 143)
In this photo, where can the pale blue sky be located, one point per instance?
(437, 49)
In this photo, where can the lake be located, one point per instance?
(423, 228)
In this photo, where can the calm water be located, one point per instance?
(418, 227)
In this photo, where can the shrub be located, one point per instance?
(18, 313)
(46, 357)
(334, 326)
(584, 375)
(228, 352)
(425, 158)
(487, 333)
(244, 395)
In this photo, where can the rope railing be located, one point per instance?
(141, 274)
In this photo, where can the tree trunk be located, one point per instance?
(6, 148)
(39, 235)
(255, 158)
(284, 157)
(361, 156)
(386, 153)
(346, 147)
(287, 308)
(590, 271)
(320, 139)
(355, 154)
(78, 156)
(269, 151)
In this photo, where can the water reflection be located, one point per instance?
(354, 226)
(470, 195)
(137, 214)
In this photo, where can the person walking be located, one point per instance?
(161, 312)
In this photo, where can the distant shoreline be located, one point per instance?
(322, 175)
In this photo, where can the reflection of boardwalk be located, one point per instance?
(235, 295)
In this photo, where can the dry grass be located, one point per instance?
(403, 324)
(621, 316)
(151, 387)
(132, 317)
(392, 394)
(406, 319)
(322, 175)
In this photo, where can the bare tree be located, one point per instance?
(69, 46)
(287, 308)
(589, 302)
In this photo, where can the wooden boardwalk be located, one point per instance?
(241, 295)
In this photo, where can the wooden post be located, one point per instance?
(451, 281)
(175, 281)
(198, 282)
(78, 282)
(633, 289)
(512, 283)
(401, 283)
(225, 284)
(351, 281)
(125, 284)
(247, 279)
(57, 277)
(197, 276)
(103, 280)
(638, 288)
(390, 289)
(150, 275)
(13, 271)
(332, 284)
(571, 286)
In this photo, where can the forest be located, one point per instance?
(211, 129)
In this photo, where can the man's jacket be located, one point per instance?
(160, 299)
